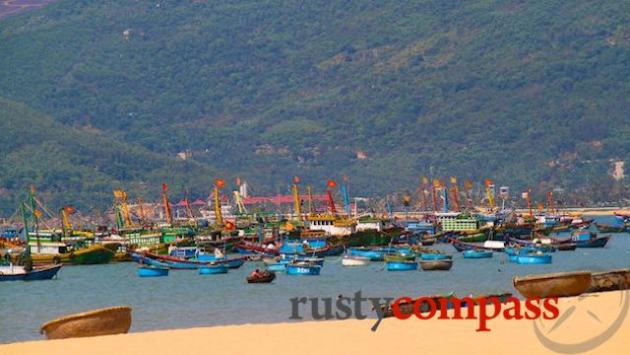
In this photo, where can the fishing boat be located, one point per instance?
(611, 280)
(477, 254)
(439, 264)
(213, 269)
(585, 239)
(94, 254)
(302, 268)
(461, 246)
(399, 257)
(18, 273)
(533, 258)
(261, 277)
(152, 271)
(406, 265)
(105, 321)
(310, 260)
(608, 228)
(353, 260)
(245, 247)
(375, 254)
(564, 284)
(434, 256)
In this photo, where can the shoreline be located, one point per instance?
(590, 315)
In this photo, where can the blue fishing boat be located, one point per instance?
(213, 269)
(477, 254)
(303, 269)
(585, 239)
(310, 260)
(434, 256)
(152, 271)
(533, 258)
(377, 254)
(144, 260)
(278, 267)
(401, 265)
(17, 273)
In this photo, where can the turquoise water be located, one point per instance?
(186, 299)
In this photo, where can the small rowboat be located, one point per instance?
(303, 269)
(213, 269)
(105, 321)
(533, 258)
(612, 280)
(350, 260)
(262, 277)
(564, 284)
(401, 265)
(434, 256)
(477, 254)
(152, 271)
(17, 273)
(431, 265)
(399, 257)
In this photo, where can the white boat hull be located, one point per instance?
(354, 261)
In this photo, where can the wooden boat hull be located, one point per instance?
(95, 254)
(40, 273)
(106, 321)
(434, 256)
(401, 265)
(432, 265)
(599, 242)
(213, 270)
(477, 254)
(612, 280)
(152, 271)
(529, 259)
(267, 277)
(604, 228)
(355, 261)
(307, 270)
(553, 285)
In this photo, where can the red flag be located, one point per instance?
(219, 182)
(164, 187)
(296, 179)
(331, 184)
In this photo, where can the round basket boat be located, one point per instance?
(104, 321)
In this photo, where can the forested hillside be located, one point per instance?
(532, 94)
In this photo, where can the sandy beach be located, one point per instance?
(595, 323)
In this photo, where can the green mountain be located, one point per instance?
(531, 94)
(79, 167)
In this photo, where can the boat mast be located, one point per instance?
(309, 191)
(218, 217)
(36, 214)
(331, 184)
(297, 205)
(25, 220)
(454, 193)
(167, 205)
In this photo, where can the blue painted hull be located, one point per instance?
(373, 254)
(316, 261)
(401, 266)
(152, 271)
(37, 274)
(533, 259)
(474, 254)
(279, 267)
(148, 261)
(430, 256)
(312, 270)
(213, 270)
